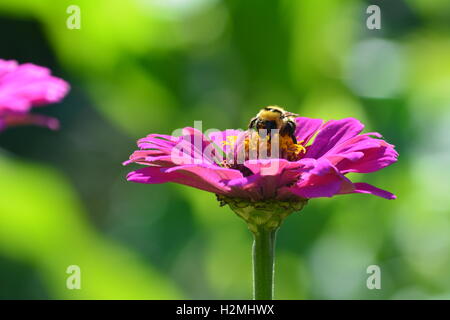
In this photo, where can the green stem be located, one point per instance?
(263, 262)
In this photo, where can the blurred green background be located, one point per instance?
(145, 66)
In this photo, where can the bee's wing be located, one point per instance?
(290, 114)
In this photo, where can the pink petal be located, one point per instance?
(306, 128)
(28, 85)
(362, 154)
(332, 134)
(324, 180)
(210, 179)
(268, 176)
(14, 119)
(25, 86)
(361, 187)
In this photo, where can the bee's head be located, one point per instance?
(267, 124)
(270, 118)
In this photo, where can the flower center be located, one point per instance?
(255, 147)
(273, 146)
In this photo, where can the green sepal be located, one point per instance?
(268, 214)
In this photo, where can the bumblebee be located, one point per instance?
(274, 117)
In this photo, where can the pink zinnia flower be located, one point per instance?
(330, 150)
(264, 187)
(25, 86)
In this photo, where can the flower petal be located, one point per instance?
(362, 154)
(22, 119)
(191, 148)
(23, 87)
(269, 175)
(306, 128)
(211, 179)
(361, 187)
(332, 134)
(324, 180)
(27, 85)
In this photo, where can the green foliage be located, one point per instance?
(42, 224)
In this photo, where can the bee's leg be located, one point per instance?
(289, 129)
(294, 139)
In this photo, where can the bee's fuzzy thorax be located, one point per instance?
(269, 115)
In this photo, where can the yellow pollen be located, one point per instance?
(231, 140)
(288, 149)
(292, 150)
